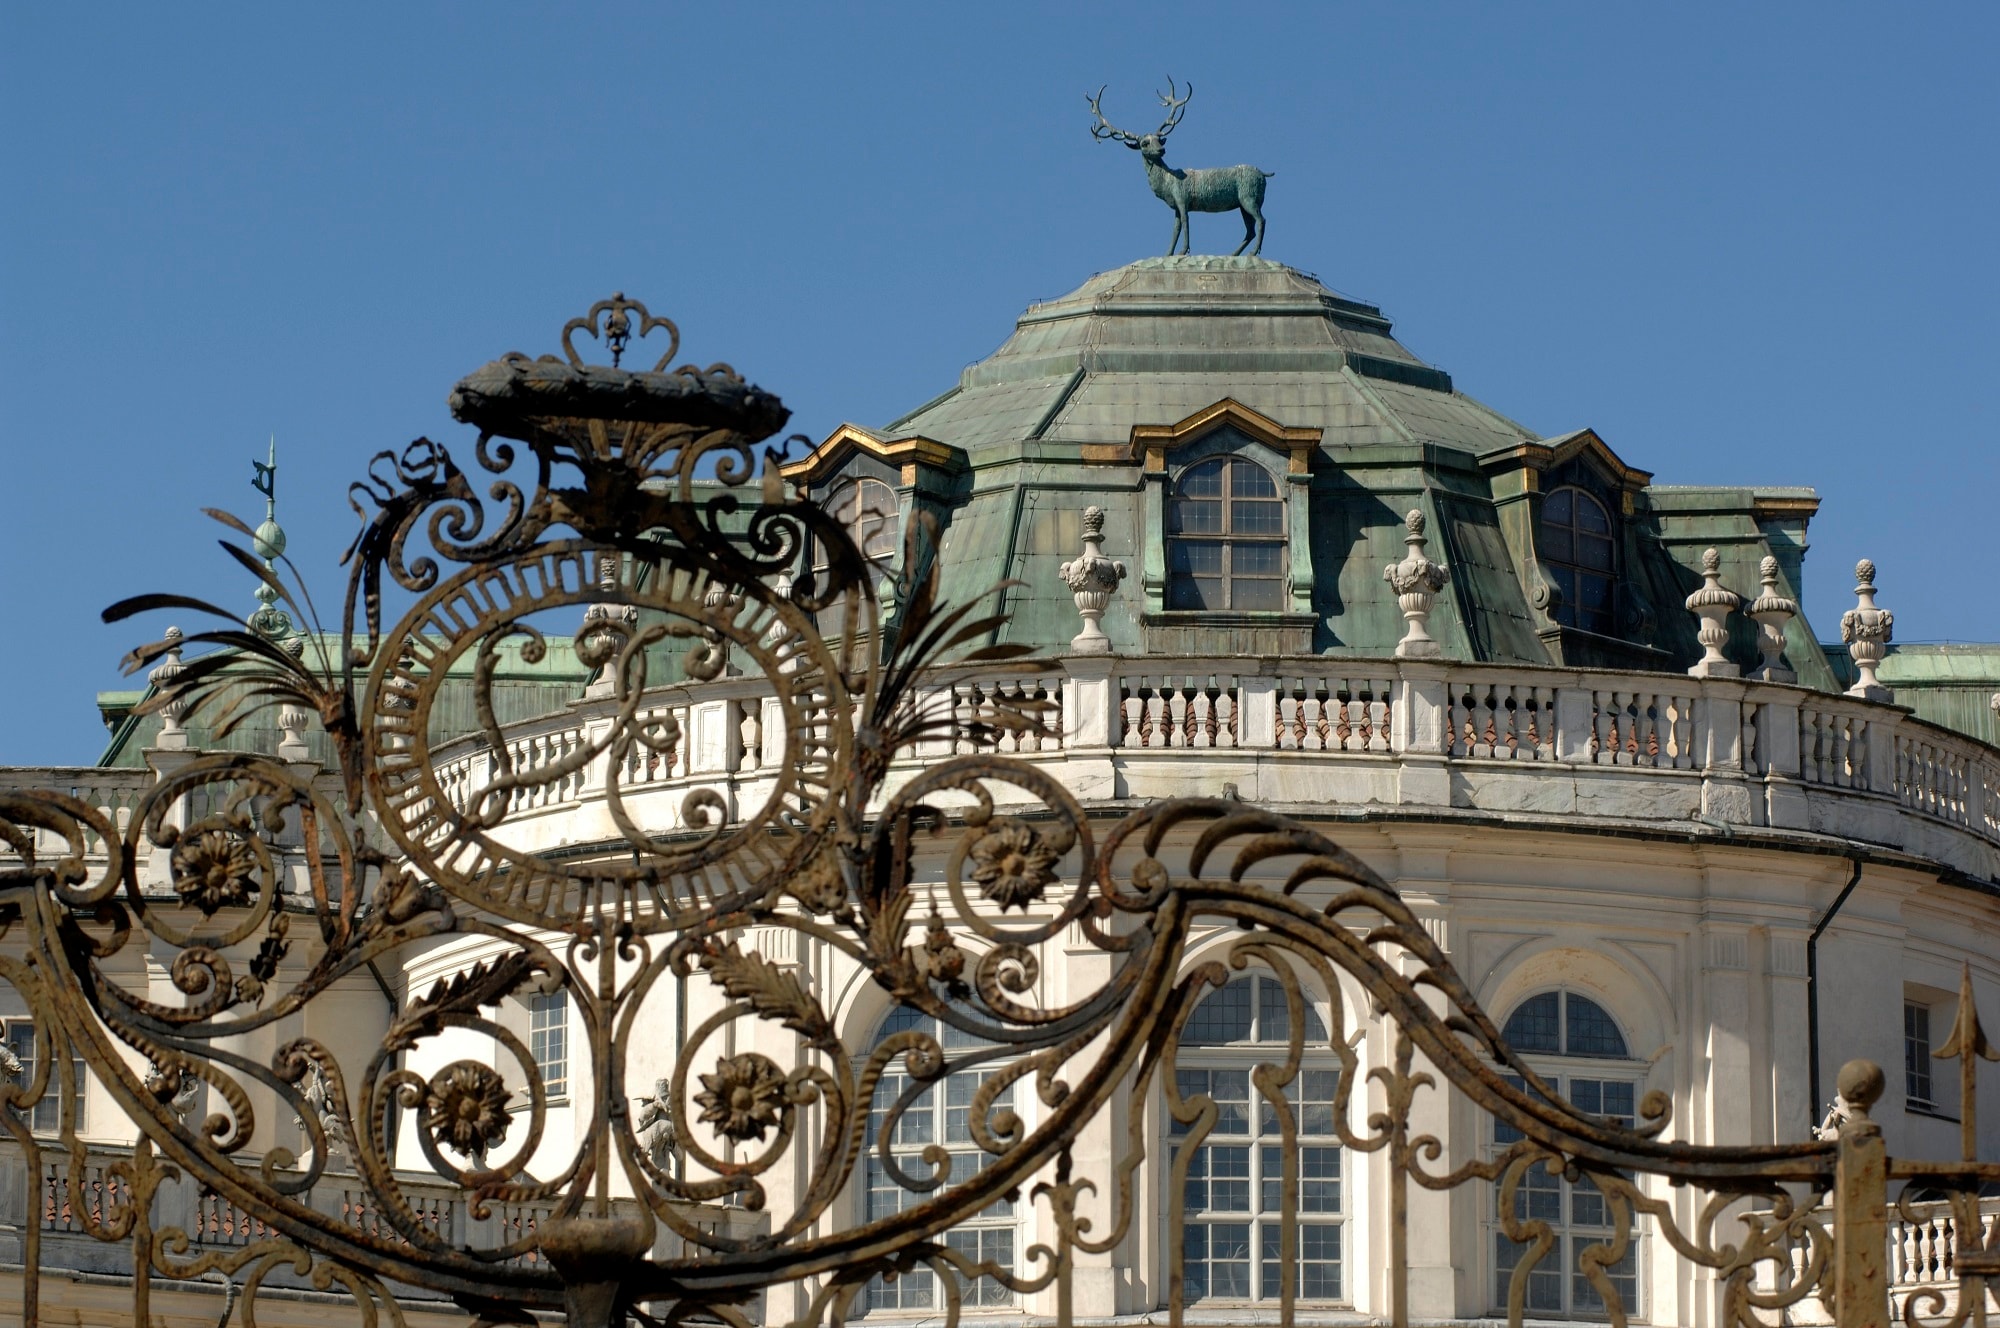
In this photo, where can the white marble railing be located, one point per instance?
(1390, 732)
(114, 792)
(1922, 1248)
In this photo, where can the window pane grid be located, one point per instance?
(1576, 551)
(45, 1116)
(1917, 1053)
(941, 1113)
(1232, 1200)
(1579, 1215)
(548, 1040)
(1243, 566)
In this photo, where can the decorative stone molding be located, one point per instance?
(1772, 611)
(173, 733)
(1867, 630)
(1416, 581)
(1092, 578)
(1713, 604)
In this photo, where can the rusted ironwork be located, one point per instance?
(260, 891)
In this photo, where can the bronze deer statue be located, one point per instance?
(1214, 190)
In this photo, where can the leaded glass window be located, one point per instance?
(1231, 1208)
(1576, 551)
(941, 1115)
(1226, 538)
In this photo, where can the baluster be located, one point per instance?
(1288, 714)
(1128, 715)
(1510, 738)
(1201, 717)
(1601, 749)
(1841, 753)
(1177, 709)
(1311, 711)
(1378, 714)
(1545, 723)
(1160, 722)
(1226, 715)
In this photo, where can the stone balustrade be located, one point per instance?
(1923, 1243)
(1310, 731)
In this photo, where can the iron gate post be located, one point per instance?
(1860, 1205)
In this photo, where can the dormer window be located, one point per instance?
(1578, 553)
(1226, 538)
(868, 511)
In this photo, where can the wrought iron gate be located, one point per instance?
(257, 892)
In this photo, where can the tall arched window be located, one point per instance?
(942, 1114)
(1577, 551)
(1229, 1182)
(1578, 1048)
(1226, 538)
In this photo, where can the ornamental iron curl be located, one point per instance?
(951, 886)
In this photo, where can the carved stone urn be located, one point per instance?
(1416, 581)
(1867, 631)
(1092, 578)
(1713, 604)
(1772, 611)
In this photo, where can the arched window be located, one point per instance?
(1579, 1050)
(1577, 551)
(1226, 538)
(942, 1114)
(868, 511)
(1230, 1182)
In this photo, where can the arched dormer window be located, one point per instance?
(940, 1115)
(1575, 1045)
(868, 511)
(1577, 550)
(1229, 1182)
(1226, 538)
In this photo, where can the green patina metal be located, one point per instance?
(1046, 426)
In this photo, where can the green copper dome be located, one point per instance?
(1109, 395)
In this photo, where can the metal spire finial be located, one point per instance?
(269, 542)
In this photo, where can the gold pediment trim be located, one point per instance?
(906, 454)
(1151, 442)
(1552, 452)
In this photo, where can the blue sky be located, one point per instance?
(1747, 244)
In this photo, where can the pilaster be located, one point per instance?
(1420, 711)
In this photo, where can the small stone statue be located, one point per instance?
(1867, 631)
(11, 1068)
(1772, 611)
(1219, 189)
(319, 1099)
(1837, 1115)
(1092, 578)
(1713, 604)
(1416, 581)
(656, 1124)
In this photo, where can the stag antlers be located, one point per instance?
(1176, 106)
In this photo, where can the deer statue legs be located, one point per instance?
(1253, 227)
